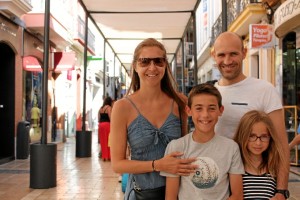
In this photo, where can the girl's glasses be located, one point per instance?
(263, 138)
(145, 62)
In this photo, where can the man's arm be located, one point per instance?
(277, 118)
(236, 186)
(172, 188)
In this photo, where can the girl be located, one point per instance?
(261, 153)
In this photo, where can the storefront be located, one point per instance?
(20, 82)
(9, 36)
(287, 29)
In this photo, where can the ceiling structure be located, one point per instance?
(125, 23)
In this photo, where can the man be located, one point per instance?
(241, 94)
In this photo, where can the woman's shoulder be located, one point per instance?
(122, 104)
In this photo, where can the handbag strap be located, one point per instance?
(180, 118)
(135, 187)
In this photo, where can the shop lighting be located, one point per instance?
(269, 10)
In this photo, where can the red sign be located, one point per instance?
(261, 36)
(64, 61)
(31, 63)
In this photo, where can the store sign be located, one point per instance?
(63, 61)
(286, 17)
(287, 10)
(261, 36)
(31, 63)
(4, 27)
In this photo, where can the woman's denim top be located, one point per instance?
(146, 143)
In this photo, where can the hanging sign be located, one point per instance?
(261, 36)
(31, 63)
(64, 61)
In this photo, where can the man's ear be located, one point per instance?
(212, 53)
(244, 52)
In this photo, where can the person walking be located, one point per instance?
(241, 94)
(35, 116)
(261, 151)
(147, 119)
(104, 116)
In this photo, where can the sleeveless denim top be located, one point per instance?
(149, 143)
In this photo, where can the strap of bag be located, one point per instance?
(180, 118)
(135, 187)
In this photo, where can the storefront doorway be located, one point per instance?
(291, 90)
(291, 70)
(7, 103)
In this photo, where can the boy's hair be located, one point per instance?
(204, 88)
(273, 154)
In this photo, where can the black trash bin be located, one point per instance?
(23, 140)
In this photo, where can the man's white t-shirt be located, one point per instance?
(239, 98)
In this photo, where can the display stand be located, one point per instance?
(291, 124)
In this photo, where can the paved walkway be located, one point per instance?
(78, 178)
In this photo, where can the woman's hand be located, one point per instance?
(172, 163)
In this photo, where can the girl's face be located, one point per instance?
(259, 139)
(151, 65)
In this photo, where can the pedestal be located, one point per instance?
(43, 165)
(83, 144)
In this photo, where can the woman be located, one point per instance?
(147, 119)
(104, 128)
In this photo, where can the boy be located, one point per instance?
(218, 158)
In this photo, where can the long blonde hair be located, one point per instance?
(273, 155)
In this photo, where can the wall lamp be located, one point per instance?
(270, 11)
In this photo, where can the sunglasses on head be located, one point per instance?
(145, 62)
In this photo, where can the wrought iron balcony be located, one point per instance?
(235, 8)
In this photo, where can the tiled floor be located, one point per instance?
(79, 178)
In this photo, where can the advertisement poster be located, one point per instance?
(261, 36)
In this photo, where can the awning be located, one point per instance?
(31, 63)
(124, 24)
(63, 61)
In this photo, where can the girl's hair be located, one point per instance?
(167, 84)
(107, 101)
(273, 155)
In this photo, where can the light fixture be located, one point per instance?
(269, 11)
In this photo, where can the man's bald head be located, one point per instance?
(229, 36)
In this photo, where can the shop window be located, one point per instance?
(290, 72)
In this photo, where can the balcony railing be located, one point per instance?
(234, 9)
(91, 36)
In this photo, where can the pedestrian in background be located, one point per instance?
(262, 152)
(104, 116)
(35, 116)
(147, 119)
(241, 94)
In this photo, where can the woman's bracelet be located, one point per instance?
(153, 166)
